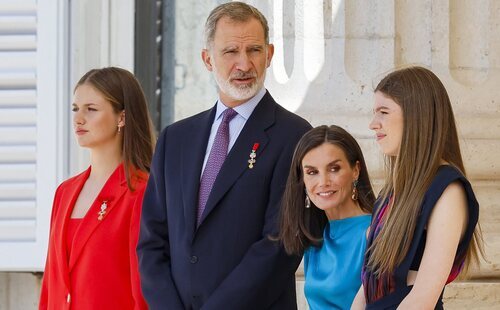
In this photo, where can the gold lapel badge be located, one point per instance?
(253, 155)
(101, 213)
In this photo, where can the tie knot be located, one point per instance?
(228, 115)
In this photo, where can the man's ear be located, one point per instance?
(270, 53)
(207, 59)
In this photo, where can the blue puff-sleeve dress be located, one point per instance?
(333, 271)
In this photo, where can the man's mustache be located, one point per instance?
(243, 75)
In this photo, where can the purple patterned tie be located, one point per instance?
(215, 160)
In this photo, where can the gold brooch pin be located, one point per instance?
(253, 155)
(101, 213)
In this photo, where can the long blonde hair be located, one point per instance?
(429, 136)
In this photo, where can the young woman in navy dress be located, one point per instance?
(424, 230)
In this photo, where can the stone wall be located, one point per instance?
(19, 290)
(329, 55)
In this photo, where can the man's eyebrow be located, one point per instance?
(229, 48)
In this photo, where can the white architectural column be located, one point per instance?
(74, 36)
(34, 74)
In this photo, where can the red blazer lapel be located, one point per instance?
(113, 189)
(67, 200)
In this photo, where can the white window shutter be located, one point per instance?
(31, 121)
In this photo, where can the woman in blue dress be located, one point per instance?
(326, 211)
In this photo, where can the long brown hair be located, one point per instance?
(124, 92)
(429, 136)
(302, 227)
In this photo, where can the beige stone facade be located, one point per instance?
(329, 55)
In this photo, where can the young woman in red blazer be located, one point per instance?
(91, 260)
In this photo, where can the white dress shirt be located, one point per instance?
(244, 111)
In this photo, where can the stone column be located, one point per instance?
(331, 53)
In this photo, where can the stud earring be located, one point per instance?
(307, 201)
(354, 195)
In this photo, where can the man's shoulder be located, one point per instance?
(289, 120)
(186, 124)
(282, 115)
(190, 120)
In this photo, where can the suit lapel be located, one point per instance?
(236, 162)
(192, 157)
(67, 201)
(111, 192)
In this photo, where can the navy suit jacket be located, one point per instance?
(228, 261)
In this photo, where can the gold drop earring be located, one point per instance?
(354, 195)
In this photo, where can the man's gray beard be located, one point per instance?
(238, 93)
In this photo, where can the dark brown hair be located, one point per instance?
(124, 92)
(429, 136)
(302, 227)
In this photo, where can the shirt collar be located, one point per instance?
(245, 109)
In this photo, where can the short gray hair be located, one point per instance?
(236, 11)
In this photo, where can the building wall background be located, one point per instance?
(329, 56)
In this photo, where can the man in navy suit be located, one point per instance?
(216, 183)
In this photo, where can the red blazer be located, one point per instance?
(102, 272)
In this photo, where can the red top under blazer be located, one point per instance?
(101, 272)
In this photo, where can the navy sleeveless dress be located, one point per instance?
(388, 291)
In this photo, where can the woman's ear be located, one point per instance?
(121, 119)
(356, 170)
